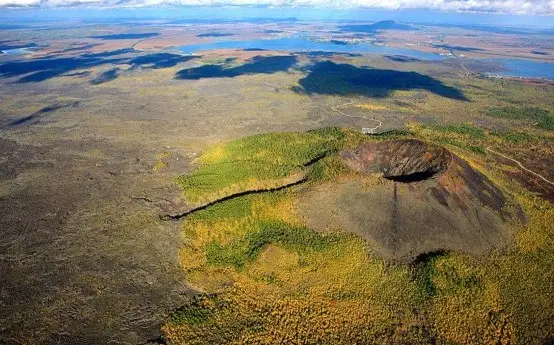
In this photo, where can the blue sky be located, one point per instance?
(171, 11)
(501, 6)
(530, 13)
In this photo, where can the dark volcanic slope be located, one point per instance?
(429, 200)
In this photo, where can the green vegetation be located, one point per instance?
(266, 278)
(196, 313)
(464, 136)
(464, 129)
(477, 149)
(231, 209)
(247, 249)
(441, 273)
(253, 161)
(536, 116)
(519, 137)
(326, 169)
(285, 274)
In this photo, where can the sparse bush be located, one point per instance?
(464, 129)
(518, 137)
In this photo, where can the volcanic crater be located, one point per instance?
(400, 160)
(410, 198)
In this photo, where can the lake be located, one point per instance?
(526, 68)
(15, 51)
(300, 44)
(511, 67)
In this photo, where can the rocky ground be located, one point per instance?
(84, 259)
(85, 173)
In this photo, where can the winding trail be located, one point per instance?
(520, 165)
(366, 130)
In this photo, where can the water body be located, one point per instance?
(15, 51)
(511, 67)
(300, 44)
(526, 68)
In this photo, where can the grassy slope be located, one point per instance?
(267, 278)
(255, 162)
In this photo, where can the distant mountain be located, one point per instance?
(495, 29)
(376, 27)
(390, 25)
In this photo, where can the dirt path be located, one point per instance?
(366, 130)
(520, 165)
(467, 72)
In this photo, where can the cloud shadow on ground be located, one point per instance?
(35, 117)
(257, 65)
(41, 69)
(329, 78)
(105, 76)
(401, 58)
(160, 60)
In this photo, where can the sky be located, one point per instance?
(517, 13)
(529, 7)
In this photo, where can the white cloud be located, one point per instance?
(502, 6)
(20, 3)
